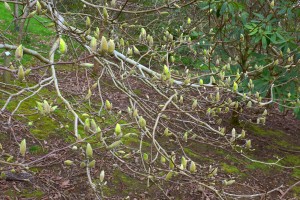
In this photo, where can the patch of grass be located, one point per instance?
(36, 36)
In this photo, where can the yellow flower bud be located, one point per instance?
(114, 144)
(105, 14)
(23, 147)
(92, 164)
(111, 47)
(93, 44)
(21, 73)
(118, 130)
(189, 21)
(89, 150)
(62, 46)
(19, 52)
(88, 21)
(108, 105)
(193, 167)
(103, 46)
(7, 6)
(101, 177)
(68, 162)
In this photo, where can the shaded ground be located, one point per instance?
(278, 139)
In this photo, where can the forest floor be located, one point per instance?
(50, 139)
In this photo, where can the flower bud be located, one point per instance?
(118, 130)
(185, 136)
(108, 105)
(248, 144)
(169, 175)
(162, 160)
(183, 162)
(142, 122)
(19, 52)
(92, 164)
(129, 51)
(122, 43)
(23, 147)
(193, 167)
(88, 95)
(135, 50)
(145, 157)
(38, 7)
(89, 151)
(103, 45)
(88, 21)
(93, 44)
(68, 162)
(21, 73)
(189, 21)
(105, 14)
(235, 87)
(111, 47)
(101, 177)
(7, 6)
(195, 103)
(272, 4)
(114, 144)
(62, 46)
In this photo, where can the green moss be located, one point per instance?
(137, 92)
(296, 173)
(230, 169)
(291, 160)
(195, 156)
(33, 194)
(36, 194)
(257, 130)
(36, 149)
(129, 184)
(296, 191)
(255, 166)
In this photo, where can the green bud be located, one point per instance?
(62, 46)
(103, 45)
(145, 157)
(114, 144)
(89, 151)
(142, 122)
(193, 167)
(68, 162)
(21, 73)
(92, 164)
(108, 105)
(111, 47)
(118, 130)
(23, 147)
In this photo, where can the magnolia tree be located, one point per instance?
(151, 47)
